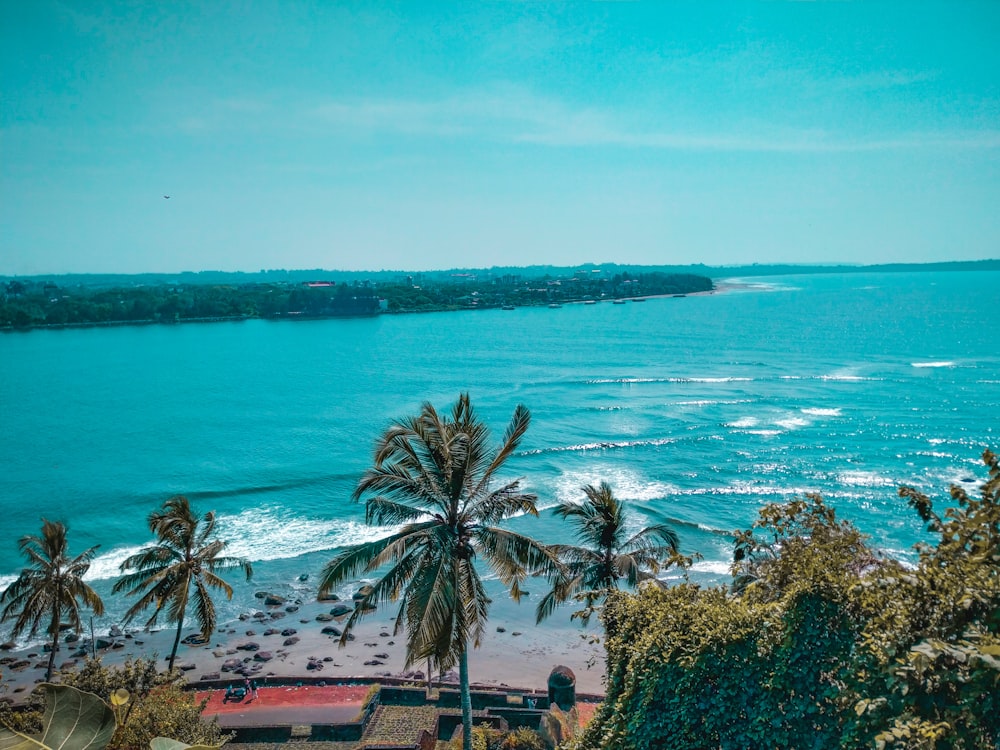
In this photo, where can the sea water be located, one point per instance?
(696, 410)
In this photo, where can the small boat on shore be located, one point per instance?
(590, 302)
(619, 302)
(506, 307)
(555, 304)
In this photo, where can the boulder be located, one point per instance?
(210, 676)
(71, 638)
(329, 597)
(289, 631)
(8, 646)
(324, 617)
(291, 641)
(277, 615)
(273, 600)
(249, 646)
(362, 592)
(304, 577)
(115, 632)
(271, 631)
(187, 666)
(340, 610)
(230, 665)
(332, 630)
(292, 608)
(103, 643)
(263, 656)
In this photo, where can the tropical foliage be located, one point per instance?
(435, 475)
(79, 720)
(180, 570)
(826, 644)
(147, 703)
(607, 554)
(51, 589)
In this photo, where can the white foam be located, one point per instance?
(717, 567)
(864, 479)
(260, 534)
(254, 534)
(626, 484)
(711, 380)
(945, 363)
(817, 412)
(791, 423)
(108, 564)
(6, 581)
(743, 423)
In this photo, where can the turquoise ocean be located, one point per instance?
(696, 410)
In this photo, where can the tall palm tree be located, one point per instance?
(607, 554)
(179, 570)
(434, 474)
(50, 588)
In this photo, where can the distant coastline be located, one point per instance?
(27, 304)
(106, 300)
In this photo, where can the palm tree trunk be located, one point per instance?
(463, 682)
(177, 642)
(55, 642)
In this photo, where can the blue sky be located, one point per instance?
(425, 135)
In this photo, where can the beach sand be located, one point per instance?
(514, 653)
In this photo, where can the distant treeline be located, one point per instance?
(482, 275)
(30, 303)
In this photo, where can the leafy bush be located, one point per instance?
(522, 739)
(821, 643)
(157, 706)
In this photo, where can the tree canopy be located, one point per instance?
(823, 643)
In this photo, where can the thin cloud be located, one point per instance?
(518, 117)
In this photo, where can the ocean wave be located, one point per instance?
(264, 489)
(714, 402)
(819, 412)
(791, 423)
(606, 381)
(718, 567)
(596, 446)
(627, 485)
(943, 363)
(864, 479)
(259, 534)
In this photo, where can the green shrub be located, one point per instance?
(157, 706)
(522, 739)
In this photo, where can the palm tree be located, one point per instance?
(607, 555)
(434, 475)
(179, 570)
(50, 588)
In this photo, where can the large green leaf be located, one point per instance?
(164, 743)
(73, 720)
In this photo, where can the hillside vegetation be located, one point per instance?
(820, 643)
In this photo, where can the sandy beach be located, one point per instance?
(290, 643)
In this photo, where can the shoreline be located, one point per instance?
(291, 645)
